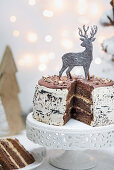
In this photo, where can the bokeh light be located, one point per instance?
(32, 37)
(48, 13)
(94, 9)
(42, 67)
(51, 55)
(32, 2)
(48, 38)
(81, 7)
(27, 60)
(67, 44)
(98, 60)
(43, 58)
(13, 19)
(16, 33)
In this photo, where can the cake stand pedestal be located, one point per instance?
(73, 138)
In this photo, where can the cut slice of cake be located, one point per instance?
(56, 101)
(13, 155)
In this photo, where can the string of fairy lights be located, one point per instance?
(82, 7)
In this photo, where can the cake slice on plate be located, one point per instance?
(13, 155)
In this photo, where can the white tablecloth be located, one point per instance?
(104, 158)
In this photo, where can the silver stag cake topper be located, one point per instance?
(70, 60)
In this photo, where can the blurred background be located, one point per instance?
(39, 32)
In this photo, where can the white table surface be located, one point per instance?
(105, 158)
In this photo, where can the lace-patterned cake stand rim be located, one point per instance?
(73, 138)
(72, 125)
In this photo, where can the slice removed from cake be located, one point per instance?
(13, 155)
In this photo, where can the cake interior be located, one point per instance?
(80, 102)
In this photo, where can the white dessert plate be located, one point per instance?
(39, 156)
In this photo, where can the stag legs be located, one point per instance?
(86, 70)
(68, 72)
(88, 76)
(62, 70)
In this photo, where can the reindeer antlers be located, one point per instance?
(85, 31)
(92, 33)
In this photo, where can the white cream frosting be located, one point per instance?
(103, 106)
(49, 105)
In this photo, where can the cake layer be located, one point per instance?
(6, 160)
(13, 155)
(25, 156)
(83, 92)
(83, 103)
(81, 115)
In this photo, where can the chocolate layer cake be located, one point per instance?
(57, 100)
(13, 155)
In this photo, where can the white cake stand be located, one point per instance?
(73, 138)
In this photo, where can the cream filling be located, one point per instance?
(9, 156)
(81, 97)
(15, 150)
(82, 110)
